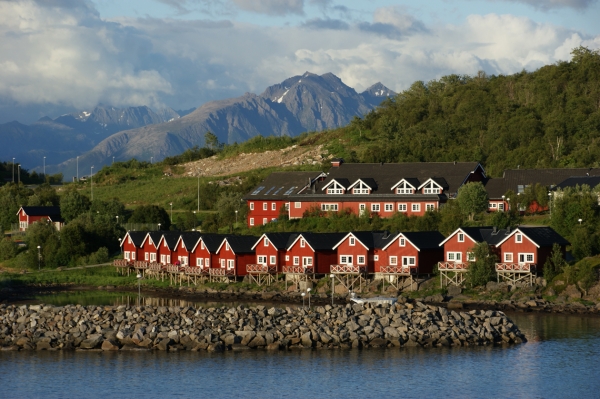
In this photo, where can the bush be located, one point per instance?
(8, 249)
(482, 269)
(554, 264)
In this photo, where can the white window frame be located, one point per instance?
(297, 205)
(346, 259)
(126, 253)
(273, 206)
(388, 207)
(266, 242)
(405, 188)
(146, 256)
(252, 206)
(352, 241)
(526, 256)
(230, 264)
(261, 259)
(329, 207)
(361, 188)
(296, 260)
(287, 258)
(471, 257)
(206, 262)
(375, 257)
(302, 243)
(454, 256)
(493, 205)
(199, 262)
(461, 237)
(409, 261)
(518, 238)
(265, 220)
(265, 206)
(152, 257)
(393, 260)
(169, 259)
(272, 260)
(429, 207)
(402, 241)
(251, 221)
(361, 259)
(375, 207)
(132, 255)
(307, 261)
(335, 188)
(508, 257)
(402, 207)
(501, 206)
(163, 259)
(222, 263)
(415, 207)
(431, 188)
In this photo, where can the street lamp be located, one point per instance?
(159, 226)
(13, 170)
(117, 219)
(198, 193)
(332, 277)
(113, 162)
(503, 205)
(550, 203)
(303, 295)
(170, 203)
(39, 257)
(236, 212)
(308, 291)
(44, 168)
(580, 220)
(92, 182)
(120, 239)
(78, 168)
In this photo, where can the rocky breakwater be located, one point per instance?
(40, 327)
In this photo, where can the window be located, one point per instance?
(251, 223)
(335, 188)
(265, 205)
(152, 257)
(501, 206)
(375, 207)
(147, 256)
(402, 242)
(408, 261)
(286, 206)
(165, 244)
(346, 259)
(306, 261)
(329, 207)
(202, 243)
(168, 258)
(272, 260)
(454, 256)
(223, 263)
(430, 207)
(297, 205)
(265, 220)
(287, 257)
(493, 205)
(508, 257)
(266, 242)
(163, 259)
(273, 206)
(389, 207)
(416, 207)
(206, 262)
(393, 260)
(401, 207)
(126, 255)
(362, 208)
(526, 258)
(23, 225)
(361, 260)
(132, 255)
(404, 188)
(470, 257)
(431, 187)
(361, 188)
(461, 237)
(252, 206)
(199, 262)
(261, 259)
(352, 241)
(519, 238)
(226, 246)
(129, 240)
(296, 260)
(230, 264)
(302, 243)
(376, 257)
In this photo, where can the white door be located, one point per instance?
(230, 264)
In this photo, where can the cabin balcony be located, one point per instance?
(221, 274)
(453, 266)
(122, 265)
(452, 273)
(398, 276)
(192, 274)
(297, 269)
(513, 273)
(348, 269)
(261, 269)
(398, 269)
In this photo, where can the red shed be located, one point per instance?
(312, 251)
(234, 253)
(167, 247)
(203, 254)
(149, 246)
(31, 214)
(131, 245)
(356, 250)
(271, 248)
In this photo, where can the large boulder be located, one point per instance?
(92, 341)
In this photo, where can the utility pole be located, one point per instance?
(78, 168)
(44, 168)
(13, 170)
(92, 182)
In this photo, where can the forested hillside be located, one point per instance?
(546, 118)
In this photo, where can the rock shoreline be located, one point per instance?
(113, 328)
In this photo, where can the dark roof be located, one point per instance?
(137, 237)
(280, 185)
(42, 211)
(496, 188)
(213, 241)
(387, 175)
(322, 241)
(543, 236)
(155, 236)
(424, 239)
(342, 181)
(190, 239)
(241, 244)
(591, 181)
(171, 237)
(441, 181)
(281, 240)
(489, 234)
(413, 181)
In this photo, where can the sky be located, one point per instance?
(61, 56)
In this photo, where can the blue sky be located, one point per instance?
(58, 56)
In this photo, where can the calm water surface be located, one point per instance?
(561, 360)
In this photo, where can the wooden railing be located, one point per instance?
(261, 269)
(453, 266)
(195, 271)
(221, 272)
(120, 263)
(347, 269)
(169, 268)
(155, 267)
(398, 269)
(297, 269)
(140, 264)
(516, 267)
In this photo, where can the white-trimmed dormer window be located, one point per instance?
(361, 188)
(352, 241)
(335, 188)
(404, 188)
(461, 237)
(518, 238)
(402, 242)
(266, 242)
(302, 243)
(431, 187)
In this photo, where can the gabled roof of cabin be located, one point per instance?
(489, 234)
(591, 181)
(278, 240)
(155, 236)
(424, 239)
(171, 238)
(240, 244)
(137, 237)
(542, 236)
(190, 239)
(212, 242)
(319, 241)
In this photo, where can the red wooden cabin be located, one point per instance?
(410, 252)
(312, 253)
(131, 245)
(203, 253)
(31, 214)
(167, 247)
(149, 246)
(271, 248)
(234, 253)
(355, 252)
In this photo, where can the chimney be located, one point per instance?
(508, 230)
(336, 162)
(494, 230)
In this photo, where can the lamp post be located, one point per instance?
(39, 258)
(120, 239)
(117, 219)
(303, 295)
(92, 182)
(308, 291)
(508, 202)
(580, 220)
(159, 226)
(44, 168)
(550, 203)
(139, 279)
(78, 168)
(503, 204)
(170, 203)
(19, 174)
(236, 212)
(151, 160)
(13, 170)
(332, 277)
(113, 162)
(198, 193)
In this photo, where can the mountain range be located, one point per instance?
(299, 104)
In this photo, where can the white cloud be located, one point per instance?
(546, 5)
(272, 7)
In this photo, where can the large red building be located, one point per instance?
(409, 252)
(31, 214)
(383, 189)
